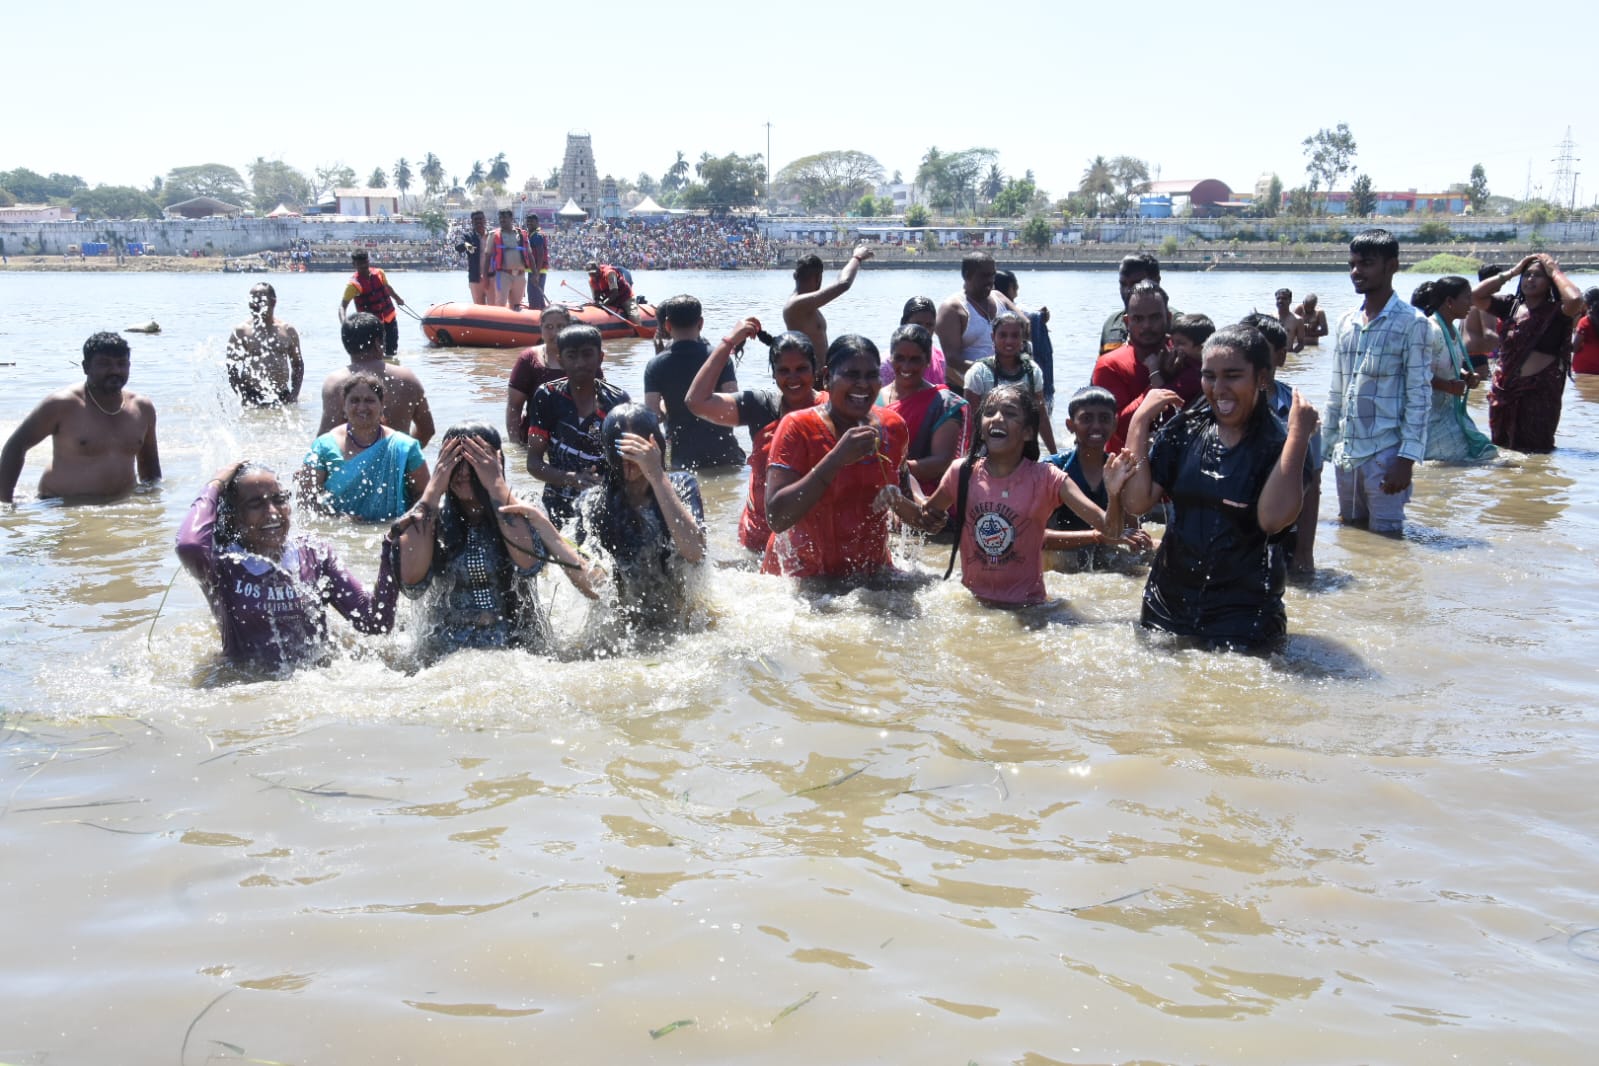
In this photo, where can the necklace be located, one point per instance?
(90, 394)
(349, 431)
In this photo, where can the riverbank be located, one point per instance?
(130, 264)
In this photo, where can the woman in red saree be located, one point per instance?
(934, 416)
(1534, 351)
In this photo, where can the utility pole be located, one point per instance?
(768, 168)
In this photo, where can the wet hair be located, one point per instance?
(1246, 340)
(681, 310)
(227, 528)
(1032, 415)
(1488, 270)
(1008, 318)
(1378, 242)
(1090, 396)
(1196, 327)
(807, 265)
(1149, 288)
(359, 256)
(917, 335)
(1591, 296)
(1309, 298)
(916, 305)
(1267, 326)
(103, 343)
(792, 341)
(452, 522)
(617, 525)
(479, 214)
(265, 286)
(1283, 294)
(1432, 295)
(972, 262)
(577, 336)
(558, 309)
(847, 347)
(360, 332)
(1143, 263)
(1005, 281)
(361, 377)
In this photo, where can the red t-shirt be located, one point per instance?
(1585, 360)
(1120, 371)
(841, 536)
(1002, 539)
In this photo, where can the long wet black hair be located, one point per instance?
(616, 524)
(227, 530)
(1032, 417)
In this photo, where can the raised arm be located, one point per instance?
(1141, 492)
(811, 301)
(705, 398)
(688, 535)
(1283, 495)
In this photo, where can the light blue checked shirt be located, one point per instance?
(1381, 385)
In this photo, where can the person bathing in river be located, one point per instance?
(405, 401)
(920, 311)
(1452, 437)
(934, 417)
(650, 523)
(1236, 477)
(264, 363)
(1312, 321)
(563, 429)
(1299, 542)
(803, 310)
(102, 435)
(835, 471)
(1002, 498)
(476, 548)
(1009, 365)
(1073, 544)
(270, 592)
(694, 443)
(1534, 351)
(535, 366)
(363, 468)
(1479, 331)
(793, 363)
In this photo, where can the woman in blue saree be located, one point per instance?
(1452, 437)
(363, 468)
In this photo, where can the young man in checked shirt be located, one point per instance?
(1376, 424)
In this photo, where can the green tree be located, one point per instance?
(916, 215)
(1362, 201)
(1434, 231)
(6, 199)
(1274, 198)
(274, 182)
(1301, 202)
(432, 173)
(1038, 233)
(333, 176)
(646, 184)
(829, 182)
(951, 179)
(402, 177)
(499, 170)
(676, 176)
(866, 207)
(475, 176)
(31, 188)
(1015, 199)
(554, 179)
(1477, 192)
(1132, 180)
(378, 180)
(993, 183)
(732, 180)
(207, 179)
(1331, 155)
(436, 222)
(115, 201)
(1097, 187)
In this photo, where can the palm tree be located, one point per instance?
(499, 170)
(474, 177)
(994, 183)
(378, 180)
(1098, 183)
(676, 174)
(432, 173)
(402, 178)
(699, 168)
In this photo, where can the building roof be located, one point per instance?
(201, 206)
(368, 194)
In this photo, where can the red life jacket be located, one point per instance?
(373, 296)
(612, 286)
(497, 249)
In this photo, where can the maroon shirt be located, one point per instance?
(1121, 371)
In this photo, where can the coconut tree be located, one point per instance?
(402, 178)
(499, 170)
(432, 173)
(1098, 184)
(475, 176)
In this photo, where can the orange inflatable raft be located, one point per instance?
(466, 325)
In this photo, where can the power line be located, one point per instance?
(1564, 193)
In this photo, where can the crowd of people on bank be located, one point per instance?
(1182, 430)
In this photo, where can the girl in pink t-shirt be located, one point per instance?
(1009, 498)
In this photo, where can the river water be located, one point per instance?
(890, 828)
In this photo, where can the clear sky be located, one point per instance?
(117, 93)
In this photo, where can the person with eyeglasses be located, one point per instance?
(269, 591)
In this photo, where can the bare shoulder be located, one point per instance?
(143, 404)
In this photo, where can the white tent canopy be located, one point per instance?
(647, 206)
(283, 211)
(571, 210)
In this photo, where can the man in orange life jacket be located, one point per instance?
(611, 288)
(373, 294)
(506, 259)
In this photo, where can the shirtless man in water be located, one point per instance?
(965, 322)
(102, 436)
(1292, 324)
(1312, 322)
(405, 402)
(803, 311)
(1479, 330)
(264, 363)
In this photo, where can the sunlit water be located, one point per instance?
(885, 827)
